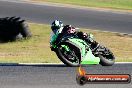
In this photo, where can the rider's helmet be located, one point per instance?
(57, 26)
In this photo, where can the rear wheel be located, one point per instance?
(107, 58)
(69, 54)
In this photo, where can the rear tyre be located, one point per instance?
(107, 59)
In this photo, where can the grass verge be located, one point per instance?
(113, 4)
(36, 49)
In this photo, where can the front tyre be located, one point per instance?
(70, 57)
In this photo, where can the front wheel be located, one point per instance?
(68, 53)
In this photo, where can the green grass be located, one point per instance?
(114, 4)
(36, 49)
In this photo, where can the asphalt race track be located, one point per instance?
(99, 20)
(56, 76)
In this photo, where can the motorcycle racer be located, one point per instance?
(59, 30)
(75, 47)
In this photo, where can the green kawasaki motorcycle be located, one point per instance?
(73, 51)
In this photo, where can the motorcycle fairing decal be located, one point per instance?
(87, 56)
